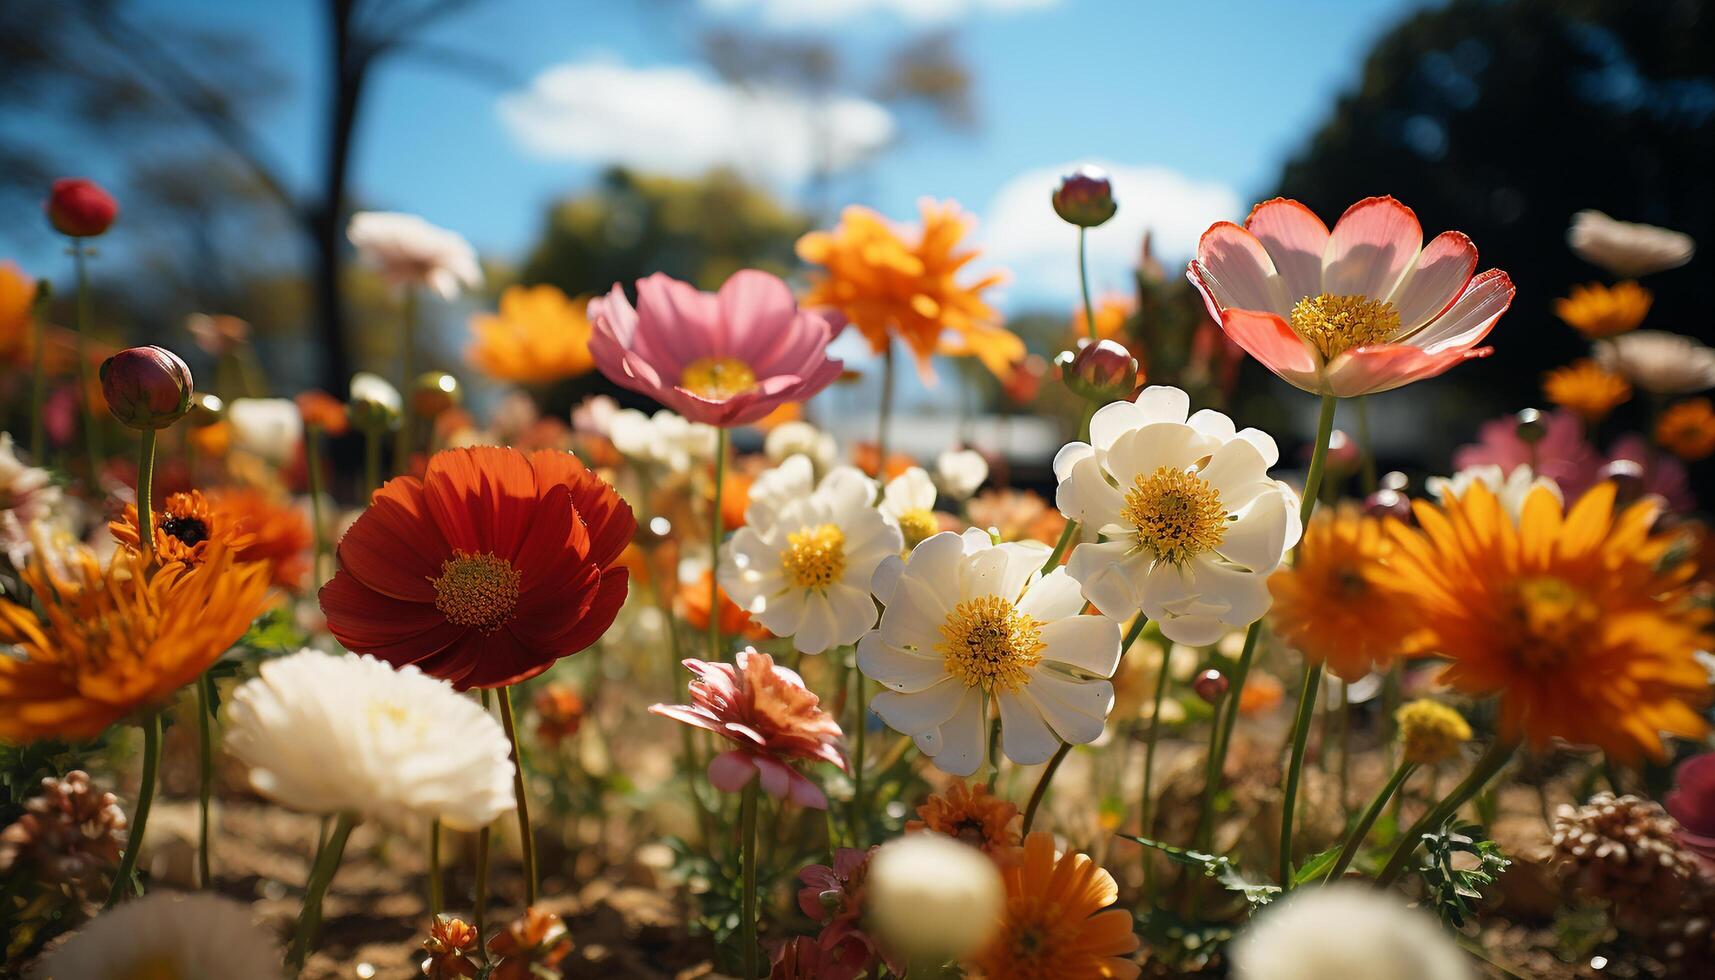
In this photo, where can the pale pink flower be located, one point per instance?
(724, 359)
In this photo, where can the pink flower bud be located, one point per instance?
(1085, 197)
(1102, 371)
(1210, 685)
(146, 387)
(80, 208)
(1388, 503)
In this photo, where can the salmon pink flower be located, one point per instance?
(725, 359)
(1365, 308)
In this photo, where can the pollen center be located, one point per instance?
(189, 530)
(717, 378)
(1552, 618)
(814, 557)
(917, 524)
(477, 590)
(1336, 324)
(1177, 514)
(988, 642)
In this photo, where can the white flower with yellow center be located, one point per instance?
(1193, 524)
(665, 439)
(968, 622)
(908, 501)
(802, 563)
(168, 936)
(960, 472)
(795, 438)
(1510, 488)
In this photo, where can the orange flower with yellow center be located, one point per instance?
(269, 530)
(969, 812)
(888, 287)
(1598, 311)
(1580, 622)
(539, 336)
(185, 528)
(1586, 388)
(1687, 429)
(1058, 924)
(105, 644)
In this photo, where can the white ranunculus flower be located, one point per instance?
(166, 934)
(794, 438)
(802, 563)
(934, 898)
(1625, 249)
(1659, 362)
(1510, 488)
(267, 427)
(960, 472)
(665, 439)
(410, 251)
(1345, 930)
(1195, 525)
(968, 620)
(337, 734)
(373, 390)
(908, 501)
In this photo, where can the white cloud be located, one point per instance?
(683, 121)
(822, 13)
(1021, 232)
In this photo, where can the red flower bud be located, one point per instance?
(1210, 685)
(1388, 503)
(1085, 197)
(146, 387)
(1102, 371)
(80, 208)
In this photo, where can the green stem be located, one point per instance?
(435, 901)
(85, 318)
(884, 414)
(1211, 782)
(715, 547)
(1059, 552)
(1355, 840)
(313, 453)
(146, 498)
(994, 749)
(1295, 769)
(1146, 817)
(480, 910)
(205, 775)
(1041, 789)
(861, 713)
(38, 375)
(1318, 458)
(520, 786)
(1230, 717)
(1485, 769)
(321, 876)
(1084, 285)
(407, 369)
(371, 462)
(747, 920)
(139, 819)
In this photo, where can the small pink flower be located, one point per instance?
(770, 715)
(1364, 308)
(725, 358)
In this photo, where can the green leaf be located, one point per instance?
(1215, 866)
(1317, 867)
(1454, 891)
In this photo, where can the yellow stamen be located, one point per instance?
(1336, 324)
(1177, 514)
(1553, 618)
(717, 378)
(917, 524)
(477, 590)
(988, 642)
(814, 557)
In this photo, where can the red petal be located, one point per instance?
(395, 548)
(483, 497)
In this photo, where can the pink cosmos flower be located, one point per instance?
(770, 715)
(1364, 308)
(1562, 454)
(725, 358)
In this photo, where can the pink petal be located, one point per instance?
(807, 794)
(1442, 270)
(1237, 269)
(1267, 338)
(1372, 245)
(730, 772)
(1471, 316)
(677, 323)
(1383, 367)
(1295, 239)
(690, 716)
(615, 312)
(757, 310)
(776, 777)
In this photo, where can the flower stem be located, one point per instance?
(1059, 552)
(434, 868)
(1318, 457)
(146, 498)
(38, 375)
(479, 912)
(520, 786)
(407, 367)
(140, 819)
(1227, 720)
(858, 837)
(1146, 818)
(1084, 285)
(313, 454)
(884, 414)
(85, 316)
(321, 876)
(1211, 783)
(1041, 789)
(747, 920)
(1485, 769)
(715, 547)
(1356, 839)
(205, 775)
(1295, 768)
(371, 462)
(994, 750)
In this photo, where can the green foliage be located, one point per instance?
(1317, 867)
(1453, 891)
(1215, 866)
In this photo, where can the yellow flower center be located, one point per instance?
(717, 378)
(477, 590)
(1431, 732)
(814, 557)
(916, 524)
(990, 643)
(1552, 619)
(1042, 937)
(1335, 324)
(158, 966)
(1177, 515)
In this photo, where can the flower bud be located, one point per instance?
(206, 409)
(146, 387)
(79, 208)
(1210, 685)
(1627, 476)
(1531, 428)
(374, 404)
(433, 393)
(1085, 197)
(1388, 503)
(1102, 371)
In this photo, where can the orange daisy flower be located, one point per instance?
(888, 287)
(323, 411)
(106, 644)
(1586, 388)
(735, 621)
(1580, 622)
(484, 572)
(269, 530)
(1687, 429)
(1262, 694)
(1598, 311)
(1057, 921)
(969, 812)
(539, 336)
(1333, 604)
(185, 528)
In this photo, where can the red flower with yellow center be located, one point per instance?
(484, 572)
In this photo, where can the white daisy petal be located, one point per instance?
(920, 711)
(896, 669)
(1077, 710)
(1024, 736)
(1089, 643)
(1054, 596)
(964, 742)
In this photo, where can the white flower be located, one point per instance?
(800, 438)
(409, 251)
(933, 898)
(802, 563)
(1194, 523)
(377, 392)
(908, 501)
(967, 619)
(664, 438)
(1510, 488)
(1626, 249)
(1345, 930)
(327, 734)
(270, 428)
(1659, 362)
(960, 472)
(595, 415)
(27, 496)
(166, 934)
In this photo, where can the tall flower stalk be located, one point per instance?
(140, 817)
(85, 323)
(321, 876)
(520, 789)
(748, 948)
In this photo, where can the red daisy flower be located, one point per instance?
(484, 572)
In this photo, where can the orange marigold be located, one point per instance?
(1586, 388)
(185, 528)
(1598, 311)
(324, 412)
(735, 621)
(268, 529)
(1579, 621)
(539, 336)
(1687, 429)
(969, 812)
(1058, 922)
